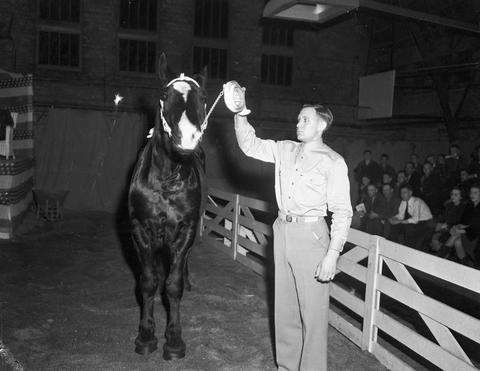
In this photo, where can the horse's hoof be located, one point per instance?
(172, 353)
(145, 347)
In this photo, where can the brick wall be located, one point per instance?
(326, 61)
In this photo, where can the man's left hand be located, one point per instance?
(327, 268)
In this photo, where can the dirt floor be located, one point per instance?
(67, 303)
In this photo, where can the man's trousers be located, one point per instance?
(301, 302)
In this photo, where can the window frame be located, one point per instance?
(65, 27)
(285, 50)
(137, 34)
(213, 43)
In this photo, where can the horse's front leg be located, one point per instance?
(146, 342)
(175, 346)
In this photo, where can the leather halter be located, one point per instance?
(167, 127)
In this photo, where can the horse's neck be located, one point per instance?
(165, 159)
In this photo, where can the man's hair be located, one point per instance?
(475, 185)
(407, 186)
(367, 151)
(385, 155)
(323, 112)
(387, 184)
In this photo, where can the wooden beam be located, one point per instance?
(274, 7)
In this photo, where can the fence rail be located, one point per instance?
(379, 270)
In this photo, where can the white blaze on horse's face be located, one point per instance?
(190, 133)
(183, 88)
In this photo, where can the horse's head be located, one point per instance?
(182, 108)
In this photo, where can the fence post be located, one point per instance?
(372, 297)
(236, 226)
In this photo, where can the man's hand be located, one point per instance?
(328, 266)
(394, 220)
(373, 215)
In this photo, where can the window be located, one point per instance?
(276, 69)
(59, 32)
(277, 60)
(211, 37)
(276, 35)
(137, 56)
(138, 14)
(59, 49)
(60, 10)
(137, 45)
(215, 59)
(211, 19)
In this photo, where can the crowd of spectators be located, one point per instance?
(431, 205)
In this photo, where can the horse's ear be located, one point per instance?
(162, 67)
(202, 77)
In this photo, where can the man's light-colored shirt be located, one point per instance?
(307, 181)
(417, 208)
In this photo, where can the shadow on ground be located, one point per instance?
(67, 303)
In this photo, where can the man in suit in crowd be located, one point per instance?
(412, 220)
(391, 204)
(412, 177)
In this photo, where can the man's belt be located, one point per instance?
(298, 219)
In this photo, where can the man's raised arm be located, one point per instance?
(261, 149)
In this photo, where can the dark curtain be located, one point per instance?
(90, 154)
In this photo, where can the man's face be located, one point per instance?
(387, 178)
(431, 159)
(454, 151)
(475, 194)
(387, 190)
(371, 190)
(463, 176)
(455, 196)
(367, 156)
(414, 158)
(384, 160)
(427, 169)
(310, 126)
(365, 180)
(409, 169)
(401, 177)
(405, 193)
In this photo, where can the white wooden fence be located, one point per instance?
(372, 271)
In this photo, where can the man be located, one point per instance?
(412, 177)
(385, 166)
(431, 188)
(454, 162)
(392, 202)
(412, 219)
(309, 176)
(374, 206)
(368, 167)
(416, 163)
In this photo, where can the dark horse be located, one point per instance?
(164, 203)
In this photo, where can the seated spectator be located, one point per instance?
(465, 236)
(374, 208)
(432, 159)
(412, 178)
(362, 190)
(392, 202)
(465, 181)
(416, 163)
(453, 163)
(440, 166)
(430, 188)
(385, 166)
(474, 167)
(412, 221)
(387, 179)
(451, 215)
(368, 167)
(401, 181)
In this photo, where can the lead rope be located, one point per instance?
(204, 125)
